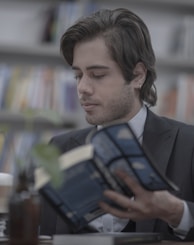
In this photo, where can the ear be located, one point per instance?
(140, 73)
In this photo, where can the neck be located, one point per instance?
(127, 118)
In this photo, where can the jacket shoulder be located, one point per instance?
(71, 139)
(165, 123)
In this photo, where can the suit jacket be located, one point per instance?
(171, 143)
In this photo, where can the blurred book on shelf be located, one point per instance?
(63, 15)
(21, 131)
(167, 96)
(185, 109)
(33, 22)
(41, 87)
(176, 97)
(182, 41)
(22, 23)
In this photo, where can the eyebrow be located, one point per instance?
(92, 67)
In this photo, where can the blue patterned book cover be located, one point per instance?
(90, 169)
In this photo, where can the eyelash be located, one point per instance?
(78, 77)
(98, 76)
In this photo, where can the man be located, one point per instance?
(111, 55)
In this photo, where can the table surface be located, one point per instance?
(49, 242)
(157, 243)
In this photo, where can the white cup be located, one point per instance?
(6, 184)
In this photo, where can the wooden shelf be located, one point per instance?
(26, 53)
(172, 5)
(176, 3)
(49, 52)
(18, 121)
(175, 64)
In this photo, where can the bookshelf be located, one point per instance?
(42, 52)
(170, 18)
(171, 25)
(21, 131)
(30, 41)
(49, 54)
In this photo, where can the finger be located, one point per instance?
(131, 182)
(123, 201)
(114, 211)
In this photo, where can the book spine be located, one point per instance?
(107, 175)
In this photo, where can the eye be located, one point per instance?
(98, 75)
(77, 77)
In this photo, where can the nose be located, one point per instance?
(85, 85)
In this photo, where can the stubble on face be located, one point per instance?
(104, 94)
(115, 110)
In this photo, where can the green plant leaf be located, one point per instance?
(43, 154)
(47, 156)
(4, 128)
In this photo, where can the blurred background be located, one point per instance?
(33, 73)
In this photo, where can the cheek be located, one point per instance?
(109, 93)
(111, 96)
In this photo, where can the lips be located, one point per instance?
(88, 106)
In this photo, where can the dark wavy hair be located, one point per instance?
(127, 39)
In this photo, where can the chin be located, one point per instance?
(93, 121)
(90, 121)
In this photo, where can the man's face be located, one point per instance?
(103, 92)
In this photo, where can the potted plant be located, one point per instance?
(24, 202)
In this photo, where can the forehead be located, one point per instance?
(91, 51)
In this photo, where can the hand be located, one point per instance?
(145, 205)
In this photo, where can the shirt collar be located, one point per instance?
(138, 121)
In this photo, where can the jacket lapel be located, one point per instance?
(80, 137)
(158, 141)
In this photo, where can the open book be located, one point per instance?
(90, 169)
